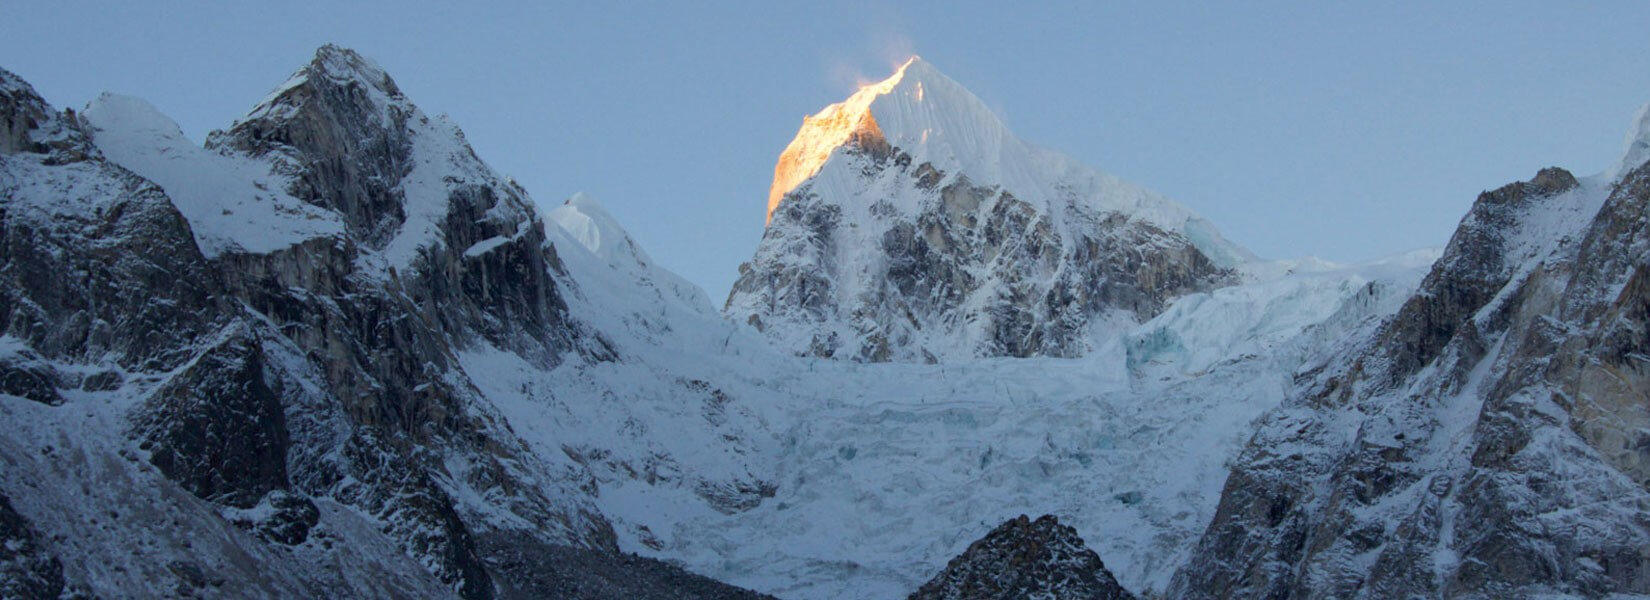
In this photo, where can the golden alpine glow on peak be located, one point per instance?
(825, 131)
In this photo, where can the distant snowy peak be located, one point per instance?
(907, 223)
(938, 121)
(1636, 147)
(584, 222)
(935, 121)
(591, 225)
(906, 109)
(920, 101)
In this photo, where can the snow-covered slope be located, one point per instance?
(812, 478)
(236, 204)
(1286, 300)
(588, 224)
(908, 224)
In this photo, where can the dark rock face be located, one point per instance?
(973, 263)
(1603, 374)
(24, 112)
(28, 124)
(216, 428)
(1025, 559)
(507, 294)
(534, 570)
(290, 520)
(27, 570)
(1482, 443)
(1475, 266)
(31, 378)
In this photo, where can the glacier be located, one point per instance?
(880, 472)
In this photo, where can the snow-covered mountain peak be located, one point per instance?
(619, 277)
(908, 223)
(1636, 146)
(917, 109)
(822, 133)
(129, 113)
(349, 141)
(343, 63)
(935, 124)
(588, 223)
(332, 67)
(938, 121)
(918, 102)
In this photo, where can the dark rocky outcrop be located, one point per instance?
(216, 428)
(530, 569)
(1023, 558)
(108, 269)
(29, 125)
(28, 377)
(27, 570)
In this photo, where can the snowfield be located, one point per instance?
(234, 204)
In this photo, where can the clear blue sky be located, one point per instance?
(1322, 128)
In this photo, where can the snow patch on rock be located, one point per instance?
(233, 203)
